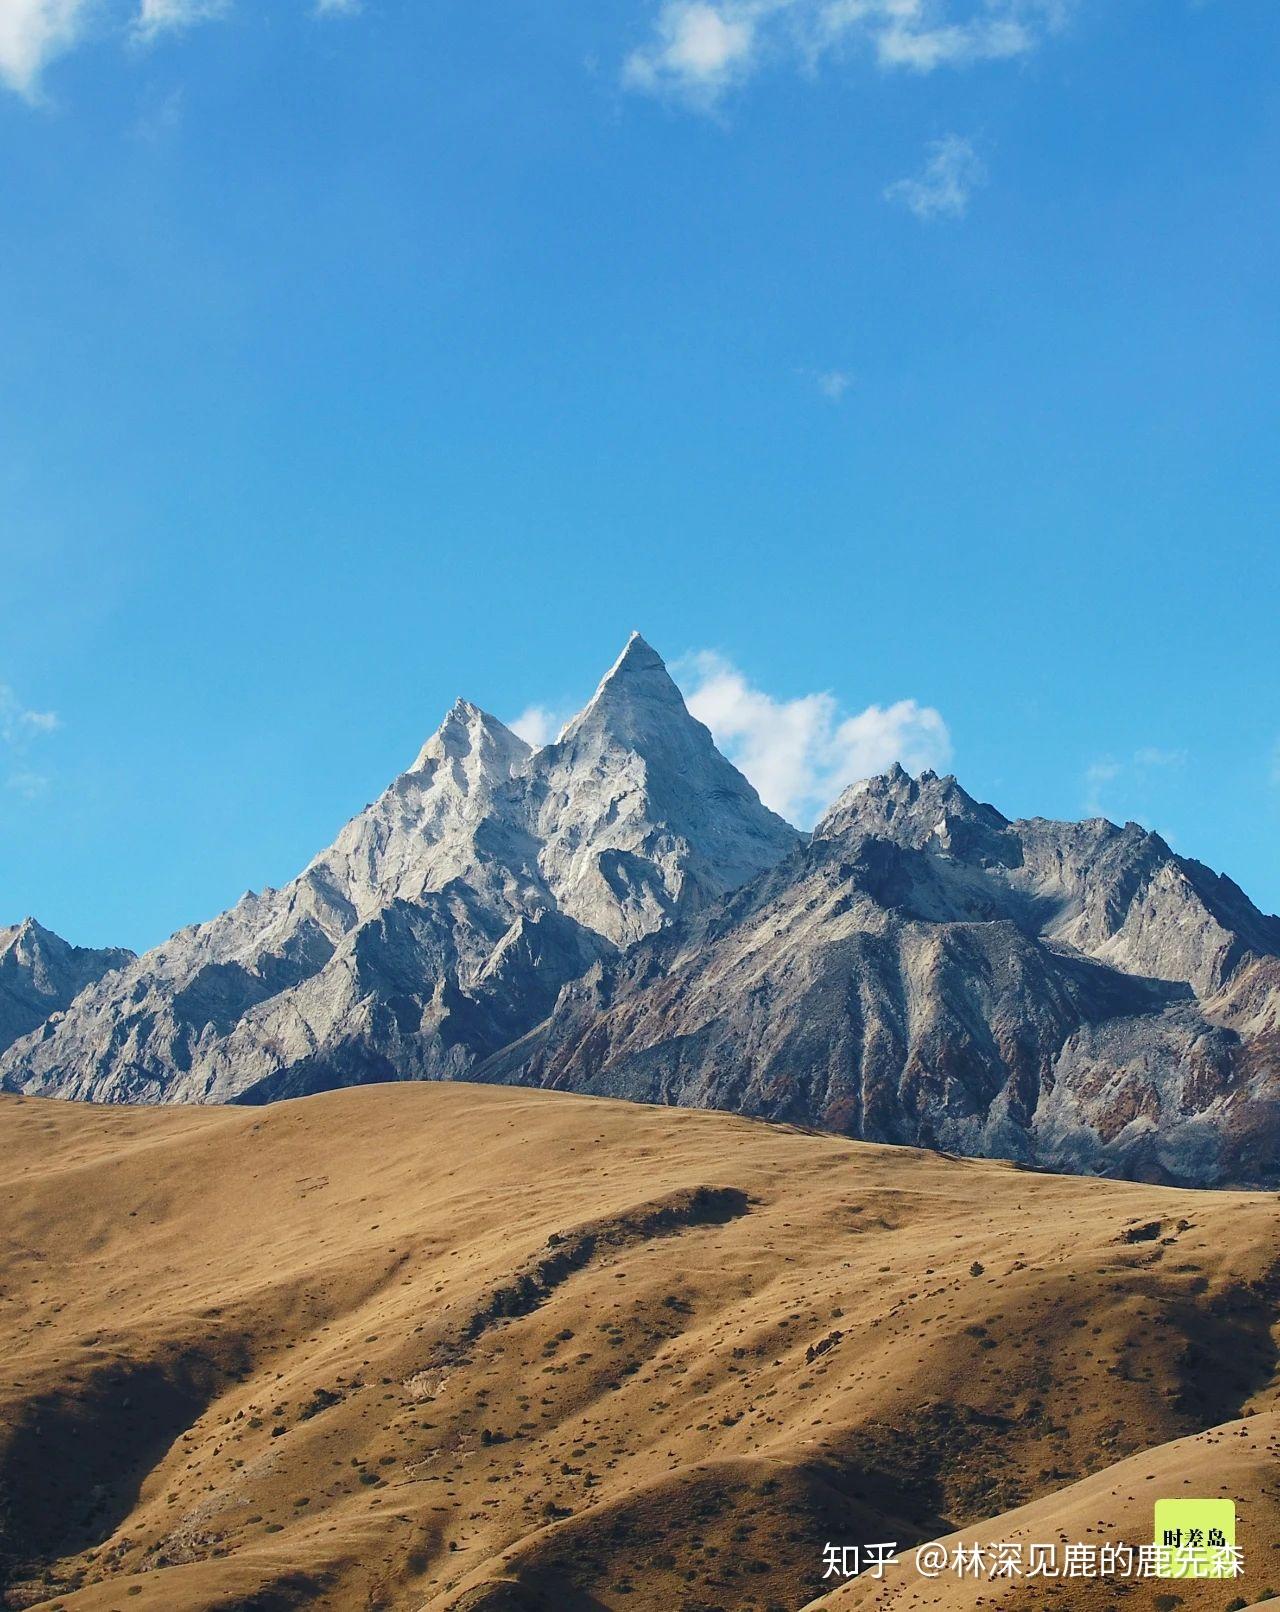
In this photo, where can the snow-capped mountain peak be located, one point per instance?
(442, 913)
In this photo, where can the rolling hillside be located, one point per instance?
(447, 1346)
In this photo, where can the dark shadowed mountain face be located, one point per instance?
(925, 971)
(618, 913)
(41, 974)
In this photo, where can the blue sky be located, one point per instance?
(906, 370)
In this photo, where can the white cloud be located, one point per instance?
(954, 45)
(698, 51)
(1110, 784)
(701, 48)
(833, 383)
(801, 753)
(32, 34)
(19, 725)
(1097, 775)
(539, 724)
(164, 16)
(951, 174)
(26, 783)
(1152, 756)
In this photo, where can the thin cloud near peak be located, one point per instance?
(539, 724)
(1112, 786)
(801, 753)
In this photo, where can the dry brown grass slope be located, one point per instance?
(1115, 1504)
(429, 1346)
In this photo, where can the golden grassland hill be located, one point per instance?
(440, 1347)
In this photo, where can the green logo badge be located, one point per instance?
(1196, 1539)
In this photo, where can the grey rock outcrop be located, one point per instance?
(1071, 995)
(618, 913)
(443, 920)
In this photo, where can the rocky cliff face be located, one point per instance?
(443, 920)
(926, 971)
(617, 913)
(40, 974)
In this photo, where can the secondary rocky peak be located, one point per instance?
(40, 973)
(30, 940)
(913, 811)
(19, 934)
(468, 731)
(378, 956)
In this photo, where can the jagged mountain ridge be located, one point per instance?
(443, 919)
(40, 973)
(617, 913)
(925, 971)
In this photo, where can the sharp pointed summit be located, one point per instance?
(637, 701)
(639, 670)
(443, 918)
(670, 821)
(637, 655)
